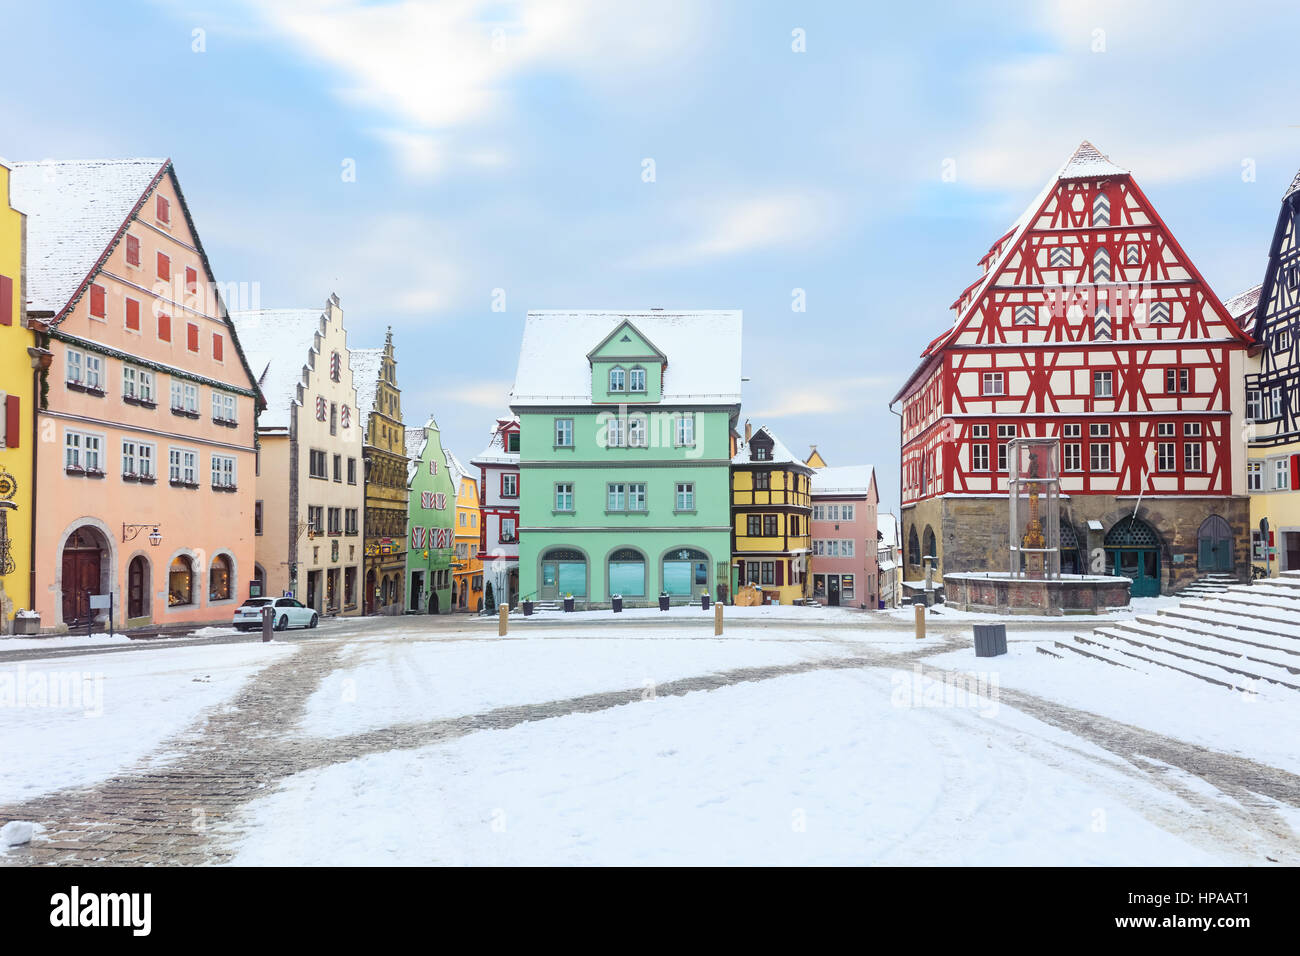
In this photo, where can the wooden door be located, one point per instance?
(80, 581)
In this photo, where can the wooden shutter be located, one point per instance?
(133, 315)
(191, 280)
(163, 209)
(164, 266)
(218, 346)
(97, 304)
(6, 300)
(164, 327)
(192, 337)
(132, 250)
(12, 431)
(1295, 472)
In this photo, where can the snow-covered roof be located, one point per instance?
(843, 480)
(495, 453)
(1242, 307)
(366, 364)
(887, 525)
(455, 469)
(278, 343)
(74, 210)
(702, 347)
(780, 454)
(416, 440)
(1089, 163)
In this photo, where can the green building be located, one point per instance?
(431, 519)
(626, 424)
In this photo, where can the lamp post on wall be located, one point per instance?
(131, 531)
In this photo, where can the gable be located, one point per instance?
(626, 343)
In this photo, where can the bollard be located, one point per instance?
(501, 621)
(717, 618)
(268, 621)
(920, 621)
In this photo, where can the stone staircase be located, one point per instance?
(545, 607)
(1208, 585)
(1245, 637)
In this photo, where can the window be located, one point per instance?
(508, 530)
(1102, 384)
(614, 435)
(617, 379)
(616, 498)
(1275, 402)
(1281, 474)
(352, 471)
(1254, 476)
(636, 380)
(180, 582)
(164, 327)
(846, 585)
(1073, 456)
(219, 579)
(1165, 429)
(218, 347)
(1099, 430)
(685, 429)
(564, 433)
(1282, 342)
(770, 526)
(1177, 380)
(979, 431)
(1005, 433)
(162, 209)
(1062, 257)
(316, 463)
(1071, 431)
(1100, 457)
(132, 315)
(1166, 460)
(1191, 429)
(81, 452)
(192, 336)
(185, 397)
(636, 496)
(137, 384)
(334, 516)
(350, 520)
(1254, 405)
(509, 485)
(223, 406)
(137, 458)
(512, 442)
(75, 367)
(1101, 210)
(563, 496)
(98, 303)
(993, 383)
(762, 481)
(637, 431)
(334, 418)
(257, 517)
(182, 466)
(846, 511)
(769, 572)
(685, 496)
(1192, 452)
(164, 267)
(316, 519)
(753, 525)
(979, 457)
(132, 250)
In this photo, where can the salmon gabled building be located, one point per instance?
(1089, 325)
(146, 479)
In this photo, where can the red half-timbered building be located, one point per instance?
(1090, 325)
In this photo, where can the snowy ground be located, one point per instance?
(77, 720)
(1141, 605)
(810, 616)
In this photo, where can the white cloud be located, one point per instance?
(436, 69)
(826, 397)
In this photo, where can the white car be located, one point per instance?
(288, 613)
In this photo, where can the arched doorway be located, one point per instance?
(370, 591)
(563, 572)
(137, 587)
(1214, 545)
(685, 572)
(85, 559)
(433, 602)
(1133, 551)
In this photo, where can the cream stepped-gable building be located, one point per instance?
(310, 486)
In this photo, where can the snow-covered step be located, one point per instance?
(1287, 579)
(1279, 630)
(1277, 664)
(1264, 609)
(1229, 629)
(1229, 668)
(1093, 651)
(1193, 668)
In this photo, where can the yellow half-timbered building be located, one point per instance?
(771, 510)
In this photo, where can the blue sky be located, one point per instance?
(500, 145)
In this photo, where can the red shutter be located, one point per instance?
(133, 315)
(12, 432)
(192, 337)
(164, 327)
(218, 346)
(164, 267)
(132, 250)
(6, 300)
(191, 280)
(1295, 472)
(164, 209)
(97, 301)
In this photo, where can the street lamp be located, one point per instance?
(155, 538)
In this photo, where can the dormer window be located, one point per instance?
(512, 442)
(617, 379)
(636, 380)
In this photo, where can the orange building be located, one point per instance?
(147, 462)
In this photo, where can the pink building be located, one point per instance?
(146, 473)
(498, 466)
(845, 570)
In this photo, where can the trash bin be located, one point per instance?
(617, 602)
(704, 601)
(568, 603)
(990, 640)
(663, 602)
(528, 608)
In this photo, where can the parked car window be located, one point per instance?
(256, 602)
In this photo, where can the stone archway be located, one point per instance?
(85, 568)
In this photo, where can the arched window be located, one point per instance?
(627, 573)
(617, 379)
(564, 570)
(929, 544)
(913, 548)
(685, 572)
(180, 581)
(219, 578)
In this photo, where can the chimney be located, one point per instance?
(749, 431)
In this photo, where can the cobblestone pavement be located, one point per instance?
(185, 811)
